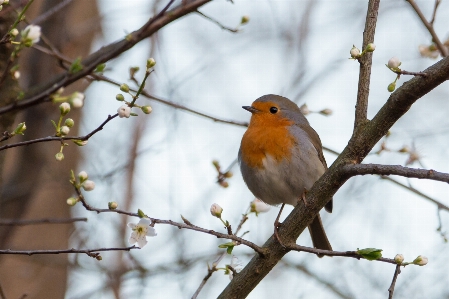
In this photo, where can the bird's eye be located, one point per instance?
(273, 110)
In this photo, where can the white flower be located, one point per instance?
(88, 185)
(216, 210)
(141, 231)
(420, 260)
(64, 108)
(429, 52)
(355, 52)
(124, 111)
(236, 265)
(16, 75)
(394, 63)
(258, 206)
(32, 33)
(65, 130)
(399, 258)
(83, 176)
(77, 99)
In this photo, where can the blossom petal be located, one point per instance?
(142, 241)
(132, 225)
(145, 221)
(151, 232)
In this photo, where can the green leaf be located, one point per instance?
(229, 250)
(76, 66)
(226, 245)
(100, 68)
(370, 254)
(54, 124)
(140, 213)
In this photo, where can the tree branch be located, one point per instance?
(397, 271)
(16, 222)
(361, 108)
(364, 169)
(43, 92)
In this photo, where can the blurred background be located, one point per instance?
(162, 162)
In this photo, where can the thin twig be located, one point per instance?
(397, 271)
(233, 30)
(59, 251)
(60, 139)
(361, 108)
(210, 271)
(443, 50)
(434, 14)
(15, 222)
(402, 72)
(49, 13)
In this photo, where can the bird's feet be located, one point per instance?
(277, 224)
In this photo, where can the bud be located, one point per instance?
(245, 19)
(146, 109)
(150, 63)
(120, 97)
(31, 35)
(228, 174)
(64, 130)
(80, 142)
(133, 70)
(59, 156)
(224, 184)
(393, 63)
(69, 122)
(124, 111)
(64, 108)
(124, 87)
(77, 99)
(72, 201)
(370, 47)
(399, 258)
(355, 52)
(404, 149)
(304, 109)
(14, 32)
(326, 112)
(216, 164)
(216, 210)
(83, 176)
(257, 206)
(112, 205)
(420, 260)
(20, 129)
(16, 75)
(88, 185)
(391, 86)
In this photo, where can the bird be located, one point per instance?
(281, 157)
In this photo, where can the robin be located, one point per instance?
(281, 157)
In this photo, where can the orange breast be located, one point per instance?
(266, 137)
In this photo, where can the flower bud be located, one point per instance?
(64, 108)
(124, 87)
(245, 19)
(146, 109)
(59, 156)
(72, 201)
(257, 206)
(391, 86)
(64, 130)
(31, 35)
(83, 176)
(77, 99)
(228, 174)
(69, 122)
(88, 185)
(14, 32)
(150, 63)
(80, 142)
(404, 149)
(370, 47)
(399, 258)
(224, 184)
(124, 111)
(216, 210)
(20, 129)
(326, 111)
(393, 63)
(420, 260)
(16, 75)
(355, 52)
(112, 205)
(120, 97)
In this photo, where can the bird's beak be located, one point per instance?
(250, 109)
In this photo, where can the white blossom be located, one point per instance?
(216, 210)
(236, 265)
(32, 33)
(399, 258)
(64, 130)
(124, 111)
(77, 99)
(88, 185)
(394, 63)
(258, 206)
(141, 231)
(421, 260)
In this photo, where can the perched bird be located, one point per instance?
(281, 157)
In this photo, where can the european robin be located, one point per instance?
(281, 157)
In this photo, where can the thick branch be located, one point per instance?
(59, 251)
(20, 222)
(358, 147)
(363, 169)
(361, 108)
(43, 92)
